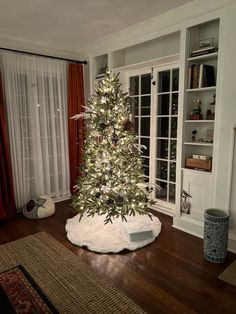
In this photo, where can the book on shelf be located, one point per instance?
(201, 75)
(195, 76)
(193, 72)
(200, 81)
(190, 75)
(208, 75)
(203, 51)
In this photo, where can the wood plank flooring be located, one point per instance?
(168, 276)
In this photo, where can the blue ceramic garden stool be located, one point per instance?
(216, 226)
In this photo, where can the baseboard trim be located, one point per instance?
(187, 231)
(189, 225)
(197, 229)
(61, 198)
(232, 243)
(163, 210)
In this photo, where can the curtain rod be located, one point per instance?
(47, 56)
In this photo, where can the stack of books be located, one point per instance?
(203, 51)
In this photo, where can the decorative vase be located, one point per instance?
(216, 225)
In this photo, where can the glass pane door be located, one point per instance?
(156, 123)
(167, 93)
(140, 91)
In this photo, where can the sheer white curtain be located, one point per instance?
(36, 100)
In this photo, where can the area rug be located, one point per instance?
(70, 284)
(229, 274)
(112, 237)
(20, 294)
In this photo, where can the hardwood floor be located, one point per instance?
(168, 276)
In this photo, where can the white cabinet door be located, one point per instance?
(198, 186)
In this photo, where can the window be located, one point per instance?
(36, 101)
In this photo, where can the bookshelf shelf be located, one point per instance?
(209, 56)
(202, 89)
(199, 121)
(198, 144)
(195, 171)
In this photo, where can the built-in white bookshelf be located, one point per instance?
(198, 138)
(200, 90)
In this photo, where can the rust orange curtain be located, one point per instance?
(7, 200)
(75, 127)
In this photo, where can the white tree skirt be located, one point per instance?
(92, 233)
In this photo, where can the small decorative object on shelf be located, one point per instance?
(209, 135)
(214, 100)
(206, 43)
(210, 114)
(185, 205)
(196, 113)
(199, 164)
(205, 46)
(195, 116)
(201, 140)
(194, 132)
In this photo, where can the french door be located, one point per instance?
(140, 90)
(156, 93)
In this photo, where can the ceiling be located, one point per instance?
(69, 24)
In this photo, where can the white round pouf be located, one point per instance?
(38, 207)
(112, 237)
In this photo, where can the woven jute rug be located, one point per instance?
(229, 274)
(70, 284)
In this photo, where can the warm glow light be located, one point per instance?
(113, 165)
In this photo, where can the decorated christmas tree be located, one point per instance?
(112, 181)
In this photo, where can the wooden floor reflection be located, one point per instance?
(168, 276)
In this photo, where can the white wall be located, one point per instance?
(153, 49)
(227, 120)
(233, 196)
